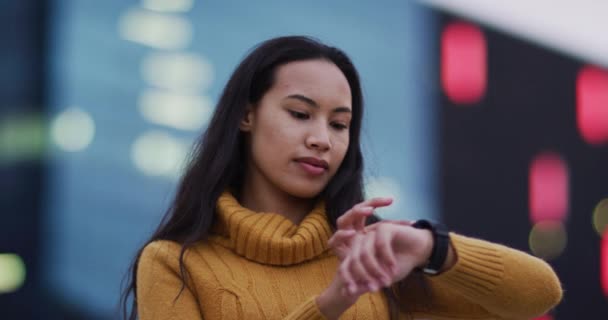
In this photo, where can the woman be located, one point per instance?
(276, 174)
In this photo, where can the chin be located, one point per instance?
(308, 191)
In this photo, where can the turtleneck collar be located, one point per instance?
(270, 238)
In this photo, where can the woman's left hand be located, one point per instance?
(386, 252)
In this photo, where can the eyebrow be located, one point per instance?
(314, 104)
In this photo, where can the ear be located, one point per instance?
(247, 121)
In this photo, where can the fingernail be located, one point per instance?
(372, 287)
(387, 281)
(351, 288)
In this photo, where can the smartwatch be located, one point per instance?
(441, 240)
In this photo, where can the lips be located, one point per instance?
(313, 166)
(314, 162)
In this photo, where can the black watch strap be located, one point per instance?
(441, 239)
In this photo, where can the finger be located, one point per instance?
(372, 265)
(359, 258)
(355, 217)
(359, 222)
(348, 219)
(374, 203)
(375, 226)
(400, 222)
(377, 202)
(361, 288)
(340, 242)
(347, 278)
(385, 252)
(341, 237)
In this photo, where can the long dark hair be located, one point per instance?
(215, 162)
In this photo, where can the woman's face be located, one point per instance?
(299, 130)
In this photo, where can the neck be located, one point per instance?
(263, 197)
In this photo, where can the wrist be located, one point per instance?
(427, 247)
(332, 304)
(440, 246)
(450, 260)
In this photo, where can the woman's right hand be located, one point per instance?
(336, 299)
(352, 222)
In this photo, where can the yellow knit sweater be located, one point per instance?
(262, 266)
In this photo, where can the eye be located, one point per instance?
(299, 115)
(339, 126)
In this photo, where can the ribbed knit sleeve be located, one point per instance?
(231, 308)
(159, 285)
(306, 311)
(494, 280)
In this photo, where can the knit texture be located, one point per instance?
(262, 266)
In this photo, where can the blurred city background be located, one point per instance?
(490, 116)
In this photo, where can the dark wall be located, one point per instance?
(22, 52)
(486, 150)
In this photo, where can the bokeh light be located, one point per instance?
(156, 153)
(463, 62)
(184, 112)
(177, 71)
(386, 187)
(600, 217)
(592, 104)
(21, 138)
(12, 272)
(168, 5)
(73, 129)
(548, 188)
(156, 30)
(548, 239)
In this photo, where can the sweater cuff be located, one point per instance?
(478, 269)
(307, 311)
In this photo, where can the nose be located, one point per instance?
(318, 138)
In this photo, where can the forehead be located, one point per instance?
(318, 79)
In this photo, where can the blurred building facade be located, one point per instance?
(101, 102)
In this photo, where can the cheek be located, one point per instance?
(282, 137)
(340, 147)
(273, 143)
